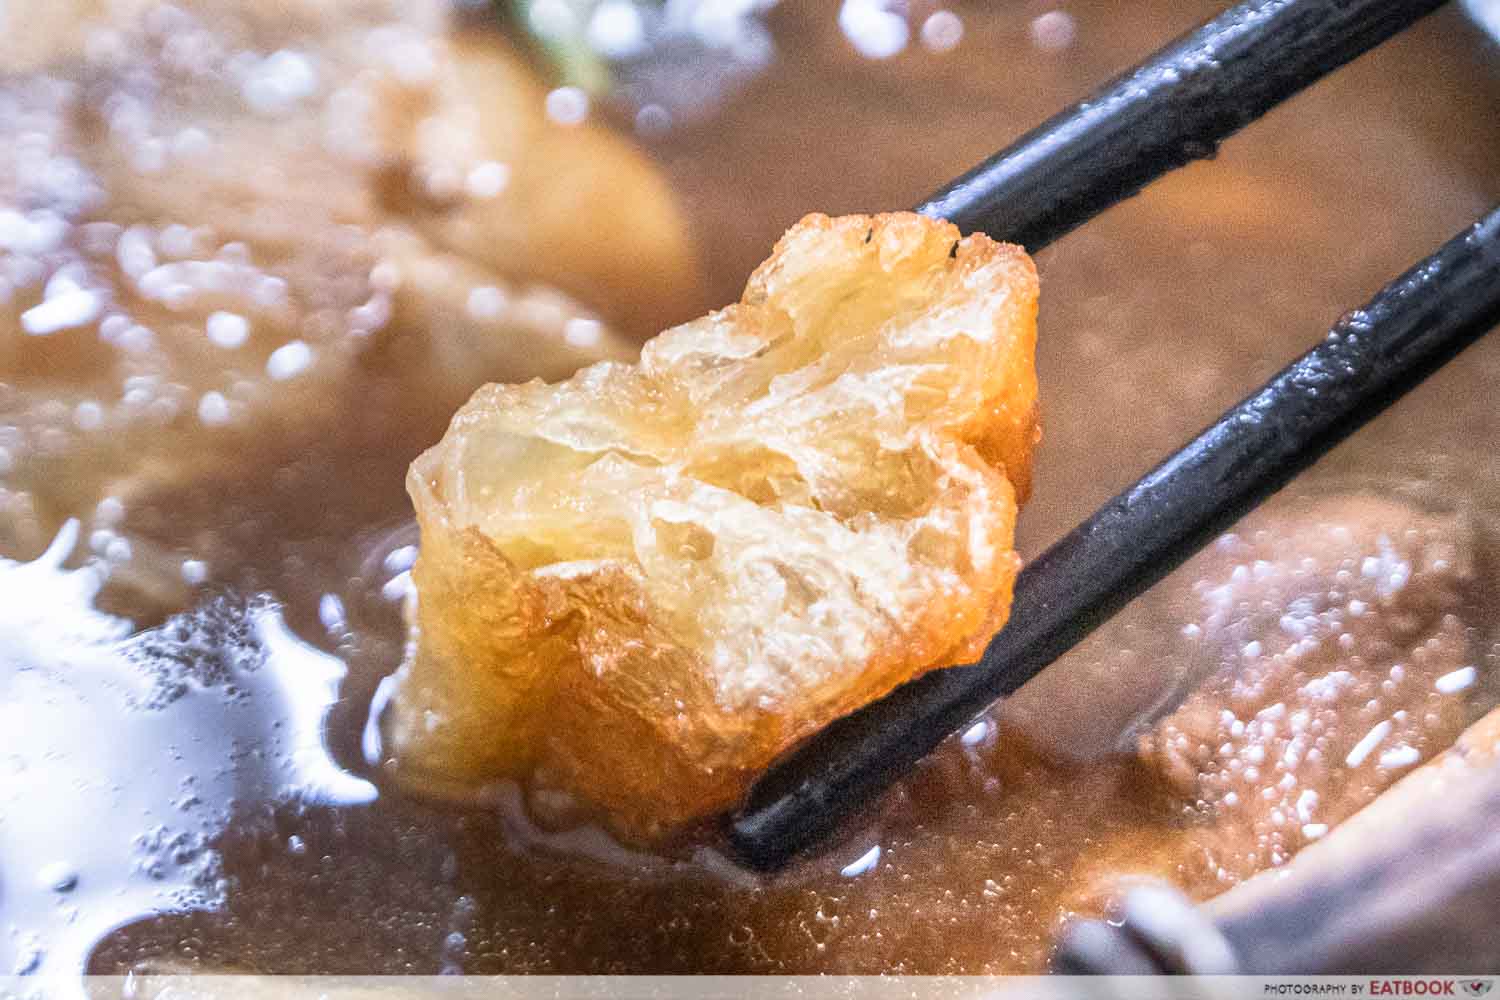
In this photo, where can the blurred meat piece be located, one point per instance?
(638, 586)
(1332, 648)
(1342, 646)
(200, 245)
(1410, 884)
(480, 170)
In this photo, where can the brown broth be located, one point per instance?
(1154, 317)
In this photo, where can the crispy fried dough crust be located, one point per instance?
(640, 585)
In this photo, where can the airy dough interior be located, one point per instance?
(640, 585)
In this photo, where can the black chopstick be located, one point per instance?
(1367, 361)
(1174, 108)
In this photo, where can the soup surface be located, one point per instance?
(193, 769)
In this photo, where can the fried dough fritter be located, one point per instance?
(640, 585)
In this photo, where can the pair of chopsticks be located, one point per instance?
(1172, 109)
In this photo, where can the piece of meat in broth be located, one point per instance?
(1342, 633)
(1329, 650)
(202, 256)
(640, 585)
(1410, 883)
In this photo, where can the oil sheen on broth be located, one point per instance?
(1265, 692)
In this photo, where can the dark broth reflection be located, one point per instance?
(128, 756)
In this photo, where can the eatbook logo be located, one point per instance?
(1475, 987)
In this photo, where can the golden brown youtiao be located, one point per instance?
(219, 220)
(640, 585)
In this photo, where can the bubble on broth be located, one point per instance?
(617, 30)
(877, 30)
(168, 733)
(568, 105)
(1053, 31)
(942, 31)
